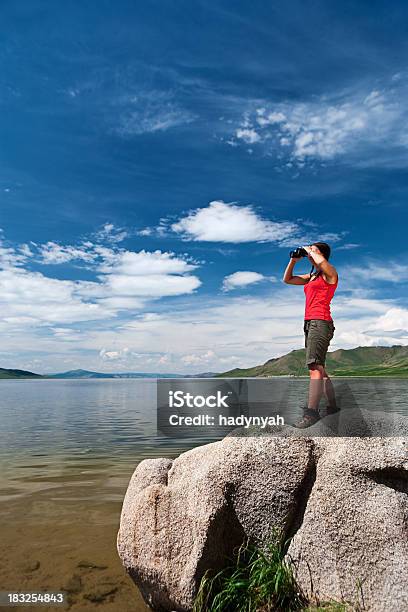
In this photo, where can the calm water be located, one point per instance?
(67, 451)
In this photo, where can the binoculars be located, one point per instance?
(299, 252)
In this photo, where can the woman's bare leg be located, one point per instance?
(316, 386)
(328, 390)
(311, 413)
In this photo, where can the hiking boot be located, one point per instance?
(310, 417)
(332, 409)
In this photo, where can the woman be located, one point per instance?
(319, 287)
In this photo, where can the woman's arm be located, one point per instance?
(327, 269)
(289, 278)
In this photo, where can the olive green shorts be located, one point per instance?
(318, 334)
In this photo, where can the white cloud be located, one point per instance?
(306, 238)
(151, 285)
(88, 251)
(10, 258)
(143, 262)
(148, 274)
(241, 279)
(110, 233)
(25, 250)
(371, 271)
(329, 126)
(228, 222)
(114, 355)
(126, 280)
(54, 253)
(214, 332)
(249, 136)
(394, 320)
(149, 112)
(76, 320)
(117, 303)
(268, 119)
(194, 360)
(146, 231)
(32, 298)
(66, 334)
(348, 246)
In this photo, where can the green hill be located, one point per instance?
(361, 361)
(5, 373)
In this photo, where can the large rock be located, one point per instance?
(344, 501)
(180, 519)
(353, 540)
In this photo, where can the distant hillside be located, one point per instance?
(361, 361)
(202, 375)
(89, 374)
(6, 373)
(79, 374)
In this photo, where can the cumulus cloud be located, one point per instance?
(224, 338)
(228, 222)
(148, 274)
(215, 334)
(395, 320)
(116, 355)
(193, 359)
(143, 262)
(125, 281)
(151, 285)
(241, 279)
(81, 319)
(32, 298)
(248, 136)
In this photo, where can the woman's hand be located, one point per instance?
(319, 260)
(314, 253)
(310, 249)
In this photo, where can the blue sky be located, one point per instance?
(160, 159)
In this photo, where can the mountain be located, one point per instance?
(202, 375)
(80, 374)
(89, 374)
(6, 373)
(361, 361)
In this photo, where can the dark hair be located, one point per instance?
(323, 248)
(325, 251)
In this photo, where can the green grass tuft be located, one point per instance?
(256, 580)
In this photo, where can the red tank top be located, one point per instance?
(318, 294)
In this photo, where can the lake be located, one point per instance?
(67, 451)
